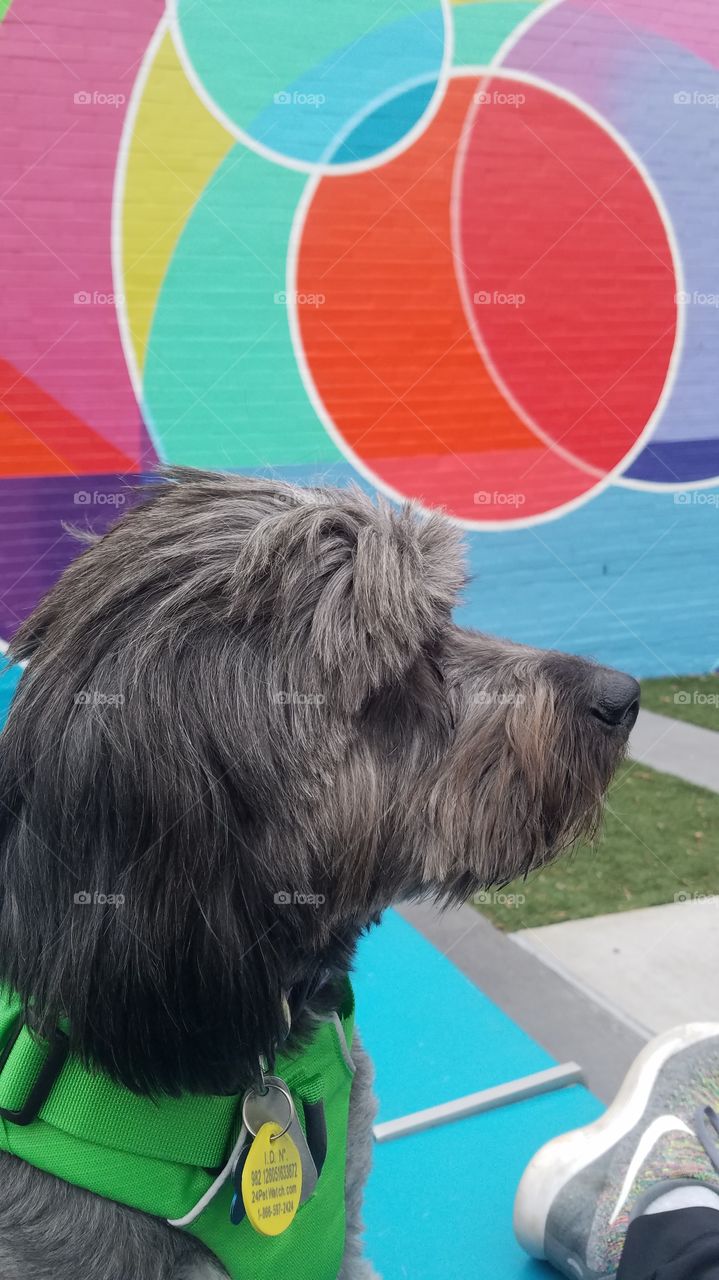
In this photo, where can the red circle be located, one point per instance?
(391, 349)
(576, 253)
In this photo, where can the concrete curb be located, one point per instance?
(556, 1010)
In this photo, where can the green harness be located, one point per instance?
(163, 1156)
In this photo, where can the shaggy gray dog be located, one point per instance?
(244, 692)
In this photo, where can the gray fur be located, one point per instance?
(248, 690)
(50, 1230)
(363, 1109)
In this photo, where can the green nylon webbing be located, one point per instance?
(193, 1129)
(87, 1119)
(189, 1130)
(154, 1155)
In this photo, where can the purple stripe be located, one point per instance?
(34, 547)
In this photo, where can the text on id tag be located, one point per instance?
(275, 1106)
(271, 1181)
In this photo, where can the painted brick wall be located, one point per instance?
(463, 253)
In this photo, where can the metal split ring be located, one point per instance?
(281, 1088)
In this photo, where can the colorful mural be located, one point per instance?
(464, 253)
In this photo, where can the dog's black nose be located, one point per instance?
(615, 698)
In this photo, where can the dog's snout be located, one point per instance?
(615, 699)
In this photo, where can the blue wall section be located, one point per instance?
(629, 579)
(9, 677)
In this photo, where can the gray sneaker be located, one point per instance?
(581, 1191)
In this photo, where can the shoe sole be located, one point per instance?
(560, 1160)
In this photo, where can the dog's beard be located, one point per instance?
(522, 784)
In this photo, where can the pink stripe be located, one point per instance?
(691, 24)
(57, 161)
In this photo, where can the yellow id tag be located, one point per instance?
(272, 1181)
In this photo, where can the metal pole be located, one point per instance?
(486, 1100)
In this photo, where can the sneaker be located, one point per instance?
(581, 1191)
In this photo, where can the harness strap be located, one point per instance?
(192, 1129)
(41, 1082)
(161, 1155)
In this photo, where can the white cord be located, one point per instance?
(219, 1182)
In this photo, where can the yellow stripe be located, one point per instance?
(175, 148)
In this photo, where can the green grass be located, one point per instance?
(692, 698)
(660, 840)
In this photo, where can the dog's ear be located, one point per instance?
(354, 587)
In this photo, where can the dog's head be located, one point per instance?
(247, 725)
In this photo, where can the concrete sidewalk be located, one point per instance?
(672, 746)
(655, 966)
